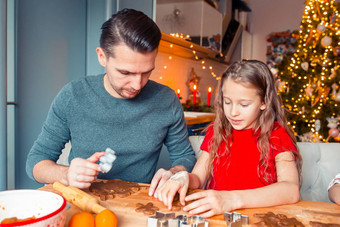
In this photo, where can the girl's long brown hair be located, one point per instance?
(256, 74)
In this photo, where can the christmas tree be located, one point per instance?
(309, 78)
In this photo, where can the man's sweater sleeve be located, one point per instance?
(177, 141)
(55, 133)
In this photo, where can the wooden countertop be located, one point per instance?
(192, 118)
(303, 211)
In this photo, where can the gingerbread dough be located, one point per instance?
(319, 224)
(147, 209)
(271, 219)
(110, 188)
(176, 204)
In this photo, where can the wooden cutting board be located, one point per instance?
(125, 209)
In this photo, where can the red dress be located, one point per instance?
(239, 170)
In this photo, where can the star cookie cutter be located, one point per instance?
(192, 221)
(169, 220)
(162, 220)
(235, 219)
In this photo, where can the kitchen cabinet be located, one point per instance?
(195, 18)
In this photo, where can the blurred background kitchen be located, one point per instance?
(45, 44)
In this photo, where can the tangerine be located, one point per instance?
(81, 219)
(106, 218)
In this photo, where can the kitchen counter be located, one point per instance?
(192, 118)
(197, 121)
(303, 211)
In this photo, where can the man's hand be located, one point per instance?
(82, 172)
(161, 177)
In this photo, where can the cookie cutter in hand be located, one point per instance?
(105, 162)
(235, 219)
(169, 220)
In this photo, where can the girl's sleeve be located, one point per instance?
(281, 142)
(207, 139)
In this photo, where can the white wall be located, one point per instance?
(272, 16)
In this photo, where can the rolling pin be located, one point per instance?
(79, 198)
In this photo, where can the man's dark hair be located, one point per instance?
(131, 27)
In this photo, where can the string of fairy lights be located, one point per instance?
(204, 63)
(317, 25)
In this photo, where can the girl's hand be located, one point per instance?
(179, 182)
(82, 172)
(210, 202)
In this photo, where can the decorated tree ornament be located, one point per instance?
(315, 83)
(337, 97)
(304, 66)
(332, 122)
(332, 18)
(309, 91)
(280, 85)
(317, 125)
(309, 137)
(322, 94)
(333, 73)
(314, 61)
(326, 41)
(333, 132)
(336, 50)
(334, 87)
(274, 71)
(337, 138)
(321, 27)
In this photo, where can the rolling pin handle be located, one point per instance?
(79, 198)
(58, 186)
(96, 208)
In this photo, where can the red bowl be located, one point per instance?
(47, 208)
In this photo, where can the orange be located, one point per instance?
(106, 218)
(82, 219)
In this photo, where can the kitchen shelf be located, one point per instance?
(182, 48)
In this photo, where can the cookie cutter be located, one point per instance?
(163, 220)
(235, 219)
(192, 221)
(170, 220)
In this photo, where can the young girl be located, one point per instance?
(250, 157)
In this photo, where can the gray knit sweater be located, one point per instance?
(85, 113)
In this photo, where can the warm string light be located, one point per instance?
(196, 57)
(180, 35)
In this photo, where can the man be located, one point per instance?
(122, 110)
